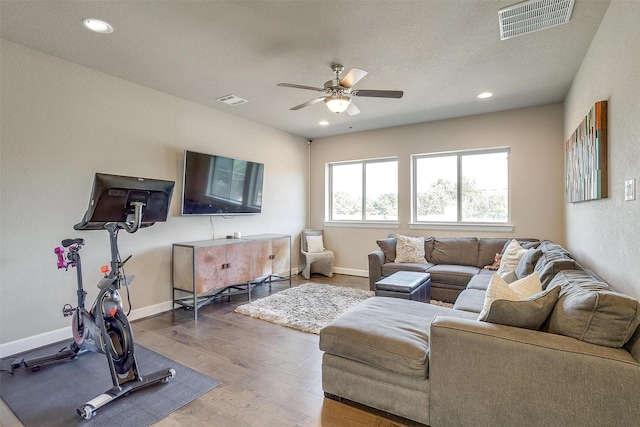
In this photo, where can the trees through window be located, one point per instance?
(461, 187)
(363, 190)
(464, 187)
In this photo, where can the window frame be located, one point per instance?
(329, 188)
(459, 223)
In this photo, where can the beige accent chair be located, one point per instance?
(314, 258)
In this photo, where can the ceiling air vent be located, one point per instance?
(232, 100)
(533, 15)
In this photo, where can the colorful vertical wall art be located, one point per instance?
(586, 157)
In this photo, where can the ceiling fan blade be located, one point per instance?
(378, 93)
(306, 104)
(352, 110)
(352, 77)
(318, 89)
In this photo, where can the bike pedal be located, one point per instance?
(67, 310)
(17, 364)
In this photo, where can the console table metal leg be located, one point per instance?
(195, 305)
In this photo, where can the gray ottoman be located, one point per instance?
(406, 285)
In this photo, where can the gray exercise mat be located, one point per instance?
(50, 396)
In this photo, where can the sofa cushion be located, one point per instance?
(393, 267)
(388, 333)
(487, 250)
(455, 250)
(548, 246)
(529, 313)
(471, 300)
(428, 247)
(388, 246)
(410, 249)
(554, 259)
(458, 275)
(633, 345)
(591, 311)
(551, 263)
(481, 280)
(528, 262)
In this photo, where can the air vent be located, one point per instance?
(232, 100)
(533, 15)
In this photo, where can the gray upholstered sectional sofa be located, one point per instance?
(579, 366)
(451, 261)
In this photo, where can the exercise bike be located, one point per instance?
(104, 328)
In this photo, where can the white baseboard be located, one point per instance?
(34, 341)
(46, 338)
(150, 310)
(351, 272)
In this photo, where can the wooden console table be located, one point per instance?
(210, 269)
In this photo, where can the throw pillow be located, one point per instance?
(529, 313)
(509, 277)
(315, 244)
(388, 246)
(498, 289)
(511, 258)
(528, 262)
(410, 249)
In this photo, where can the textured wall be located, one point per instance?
(537, 204)
(61, 123)
(605, 234)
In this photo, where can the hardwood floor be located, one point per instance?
(270, 374)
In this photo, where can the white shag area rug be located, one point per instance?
(308, 307)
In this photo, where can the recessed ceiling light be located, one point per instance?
(97, 25)
(323, 123)
(485, 95)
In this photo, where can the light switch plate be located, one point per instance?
(630, 189)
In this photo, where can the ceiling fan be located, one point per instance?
(337, 92)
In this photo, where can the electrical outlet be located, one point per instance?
(630, 189)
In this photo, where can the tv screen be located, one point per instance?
(112, 198)
(216, 185)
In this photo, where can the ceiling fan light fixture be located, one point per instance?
(337, 103)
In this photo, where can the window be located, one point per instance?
(235, 181)
(461, 187)
(363, 191)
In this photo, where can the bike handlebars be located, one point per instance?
(60, 252)
(134, 220)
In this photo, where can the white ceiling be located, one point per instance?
(441, 53)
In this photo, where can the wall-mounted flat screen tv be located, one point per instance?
(216, 185)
